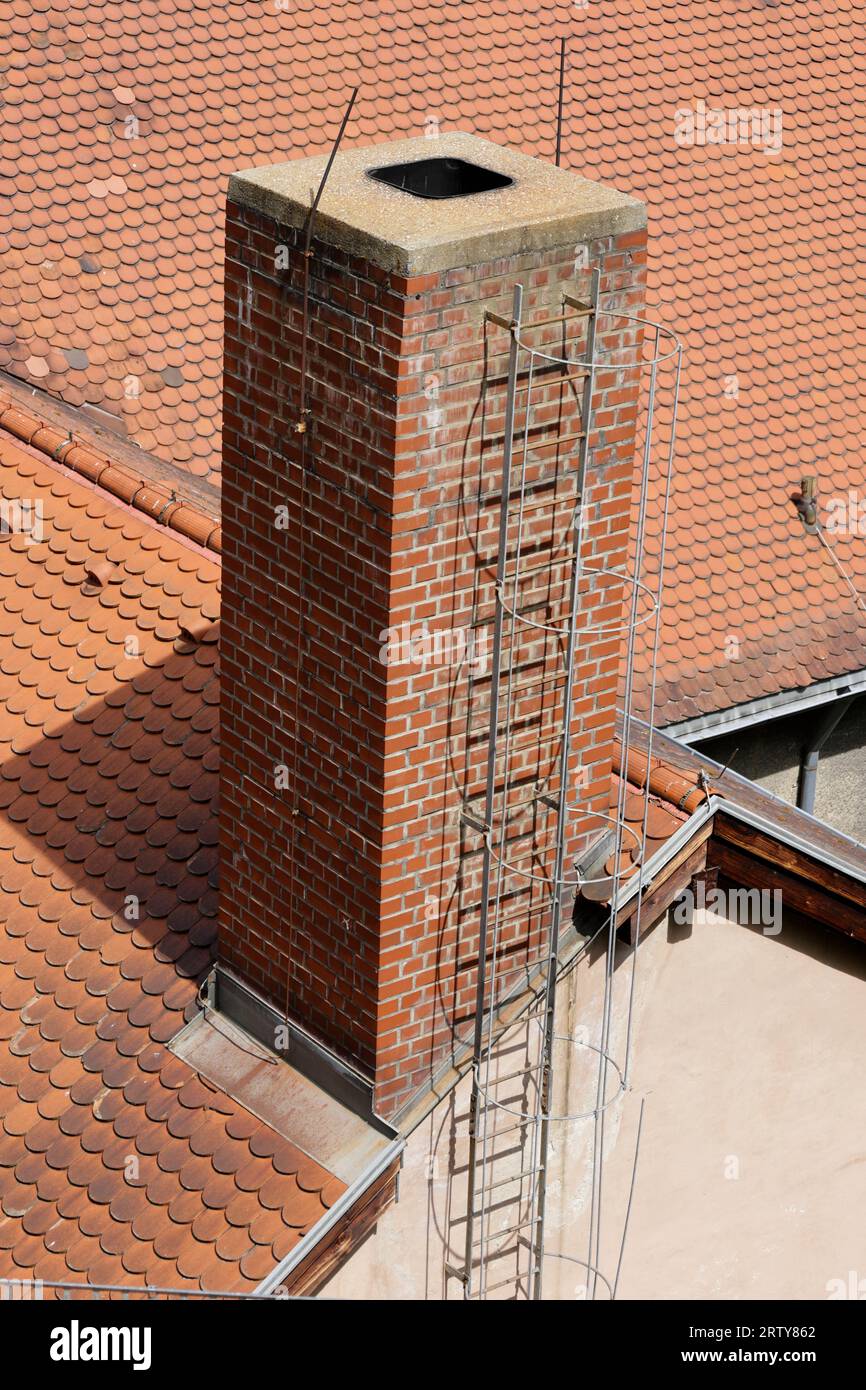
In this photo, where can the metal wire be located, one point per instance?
(831, 551)
(601, 1088)
(630, 1198)
(668, 479)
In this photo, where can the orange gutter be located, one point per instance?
(161, 505)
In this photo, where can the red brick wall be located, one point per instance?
(305, 935)
(370, 939)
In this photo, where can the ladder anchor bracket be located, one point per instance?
(509, 325)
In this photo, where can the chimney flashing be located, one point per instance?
(542, 207)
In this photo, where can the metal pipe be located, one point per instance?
(150, 1291)
(562, 811)
(301, 425)
(560, 101)
(808, 780)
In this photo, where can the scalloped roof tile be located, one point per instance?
(118, 1164)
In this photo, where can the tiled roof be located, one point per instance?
(118, 1165)
(121, 123)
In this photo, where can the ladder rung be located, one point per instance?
(502, 379)
(500, 1284)
(475, 735)
(503, 1182)
(535, 728)
(506, 1231)
(560, 439)
(546, 504)
(495, 499)
(459, 1171)
(507, 962)
(524, 1071)
(496, 440)
(535, 688)
(530, 1119)
(510, 1129)
(577, 311)
(575, 376)
(507, 965)
(496, 1208)
(528, 909)
(544, 443)
(529, 971)
(508, 680)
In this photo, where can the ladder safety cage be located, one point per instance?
(505, 1251)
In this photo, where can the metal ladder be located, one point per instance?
(510, 1107)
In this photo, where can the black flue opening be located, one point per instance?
(440, 178)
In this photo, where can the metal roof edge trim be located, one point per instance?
(341, 1208)
(787, 837)
(768, 707)
(668, 851)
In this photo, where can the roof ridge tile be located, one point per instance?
(160, 504)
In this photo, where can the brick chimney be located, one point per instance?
(359, 569)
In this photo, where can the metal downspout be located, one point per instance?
(808, 779)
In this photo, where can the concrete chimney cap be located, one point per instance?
(540, 208)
